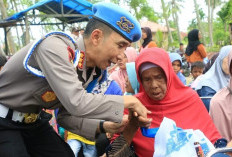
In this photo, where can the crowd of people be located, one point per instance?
(96, 91)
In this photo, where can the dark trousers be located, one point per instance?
(31, 140)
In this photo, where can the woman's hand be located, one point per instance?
(138, 109)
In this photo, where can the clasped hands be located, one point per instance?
(136, 118)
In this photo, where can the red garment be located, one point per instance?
(180, 104)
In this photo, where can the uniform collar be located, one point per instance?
(81, 47)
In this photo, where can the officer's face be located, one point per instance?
(111, 50)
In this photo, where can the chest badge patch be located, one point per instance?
(48, 96)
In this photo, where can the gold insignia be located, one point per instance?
(48, 96)
(30, 118)
(81, 60)
(125, 24)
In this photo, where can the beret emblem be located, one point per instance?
(125, 24)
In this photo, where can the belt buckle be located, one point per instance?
(30, 118)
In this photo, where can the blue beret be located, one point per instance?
(118, 19)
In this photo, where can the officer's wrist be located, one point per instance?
(100, 128)
(128, 101)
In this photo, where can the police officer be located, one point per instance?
(55, 72)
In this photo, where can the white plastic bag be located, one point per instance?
(173, 142)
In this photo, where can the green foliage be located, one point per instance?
(193, 24)
(115, 1)
(148, 12)
(142, 9)
(175, 42)
(94, 1)
(159, 38)
(226, 12)
(202, 14)
(215, 48)
(10, 12)
(27, 3)
(220, 36)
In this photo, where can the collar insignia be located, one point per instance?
(71, 54)
(125, 24)
(81, 60)
(48, 96)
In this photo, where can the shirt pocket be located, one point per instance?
(47, 98)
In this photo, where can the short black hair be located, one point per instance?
(181, 44)
(198, 64)
(96, 24)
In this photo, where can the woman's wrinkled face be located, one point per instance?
(154, 82)
(225, 67)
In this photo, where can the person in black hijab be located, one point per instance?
(195, 50)
(147, 38)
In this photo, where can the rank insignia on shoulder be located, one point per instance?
(125, 24)
(48, 96)
(81, 60)
(71, 54)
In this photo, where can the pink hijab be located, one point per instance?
(221, 107)
(119, 74)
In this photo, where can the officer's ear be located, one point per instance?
(97, 36)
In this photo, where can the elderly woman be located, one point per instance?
(164, 95)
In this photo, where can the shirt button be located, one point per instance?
(116, 112)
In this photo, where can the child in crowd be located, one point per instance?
(120, 73)
(176, 64)
(92, 148)
(197, 69)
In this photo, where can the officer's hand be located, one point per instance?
(138, 108)
(112, 127)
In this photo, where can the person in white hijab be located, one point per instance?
(221, 107)
(216, 78)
